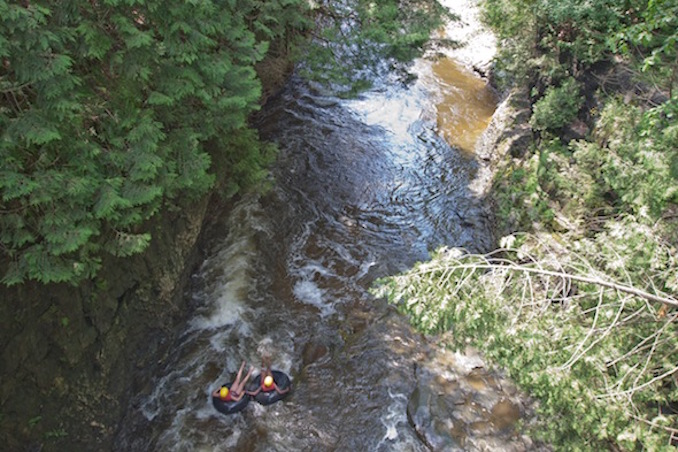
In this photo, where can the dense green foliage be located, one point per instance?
(610, 199)
(114, 110)
(581, 309)
(551, 38)
(598, 359)
(652, 40)
(558, 107)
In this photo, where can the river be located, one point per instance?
(364, 188)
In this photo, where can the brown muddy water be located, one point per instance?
(364, 189)
(465, 104)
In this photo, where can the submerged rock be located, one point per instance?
(459, 404)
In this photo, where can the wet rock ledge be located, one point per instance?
(458, 404)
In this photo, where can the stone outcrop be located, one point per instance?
(508, 135)
(68, 353)
(459, 404)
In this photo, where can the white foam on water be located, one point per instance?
(365, 268)
(207, 410)
(228, 311)
(478, 44)
(183, 394)
(229, 295)
(393, 421)
(153, 405)
(228, 274)
(308, 292)
(307, 273)
(181, 437)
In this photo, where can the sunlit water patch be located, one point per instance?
(465, 103)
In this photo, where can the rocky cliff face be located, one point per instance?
(508, 135)
(68, 353)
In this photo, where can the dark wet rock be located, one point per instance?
(67, 354)
(313, 352)
(458, 404)
(423, 412)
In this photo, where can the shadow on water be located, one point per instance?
(365, 188)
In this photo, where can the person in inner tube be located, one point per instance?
(237, 391)
(267, 383)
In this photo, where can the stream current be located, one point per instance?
(364, 188)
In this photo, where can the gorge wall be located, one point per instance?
(68, 353)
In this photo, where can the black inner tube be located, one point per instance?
(266, 398)
(232, 406)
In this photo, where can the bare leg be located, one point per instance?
(266, 361)
(237, 378)
(241, 385)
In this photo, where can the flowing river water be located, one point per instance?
(364, 189)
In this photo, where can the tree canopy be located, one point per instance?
(114, 109)
(108, 108)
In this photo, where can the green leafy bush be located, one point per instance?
(642, 156)
(547, 39)
(650, 41)
(558, 107)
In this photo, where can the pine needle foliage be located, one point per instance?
(553, 38)
(112, 109)
(598, 353)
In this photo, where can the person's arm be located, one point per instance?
(254, 393)
(280, 391)
(237, 397)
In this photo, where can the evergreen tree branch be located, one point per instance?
(503, 264)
